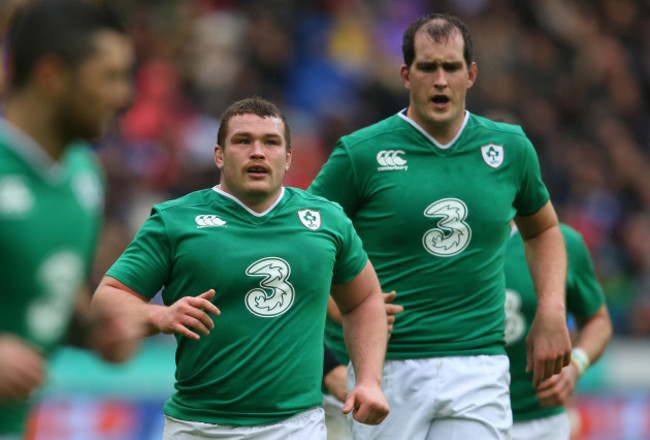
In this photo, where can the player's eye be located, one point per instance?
(452, 67)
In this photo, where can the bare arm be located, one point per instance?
(392, 309)
(549, 346)
(364, 327)
(336, 382)
(333, 311)
(188, 316)
(595, 333)
(593, 337)
(100, 330)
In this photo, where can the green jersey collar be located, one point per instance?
(25, 147)
(217, 189)
(402, 114)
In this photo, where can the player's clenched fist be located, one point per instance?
(367, 404)
(187, 314)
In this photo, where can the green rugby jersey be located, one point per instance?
(584, 298)
(434, 220)
(263, 361)
(49, 222)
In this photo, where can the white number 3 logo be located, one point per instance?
(452, 234)
(277, 294)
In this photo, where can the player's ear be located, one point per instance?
(289, 156)
(218, 156)
(404, 74)
(473, 72)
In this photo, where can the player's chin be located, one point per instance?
(260, 187)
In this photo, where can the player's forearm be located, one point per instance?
(547, 263)
(113, 299)
(595, 333)
(364, 330)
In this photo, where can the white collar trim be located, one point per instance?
(402, 114)
(26, 147)
(513, 231)
(217, 188)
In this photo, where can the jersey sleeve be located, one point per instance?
(337, 181)
(532, 194)
(584, 293)
(145, 265)
(351, 258)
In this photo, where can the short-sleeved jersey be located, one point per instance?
(584, 298)
(272, 273)
(50, 215)
(434, 220)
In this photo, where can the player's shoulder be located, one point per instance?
(481, 123)
(312, 201)
(80, 156)
(386, 128)
(7, 157)
(190, 200)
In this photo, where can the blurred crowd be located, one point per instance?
(574, 73)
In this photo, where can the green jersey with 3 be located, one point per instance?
(50, 215)
(272, 273)
(435, 220)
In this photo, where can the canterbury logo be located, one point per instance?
(391, 160)
(205, 221)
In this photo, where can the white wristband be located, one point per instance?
(581, 360)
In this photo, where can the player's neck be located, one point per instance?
(443, 132)
(38, 122)
(257, 204)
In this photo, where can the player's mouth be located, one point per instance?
(257, 171)
(440, 101)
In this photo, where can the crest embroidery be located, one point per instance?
(309, 218)
(492, 155)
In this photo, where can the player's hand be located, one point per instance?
(391, 310)
(548, 345)
(367, 404)
(558, 389)
(336, 382)
(188, 316)
(22, 368)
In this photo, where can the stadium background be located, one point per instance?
(574, 73)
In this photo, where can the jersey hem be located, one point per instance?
(420, 354)
(533, 415)
(231, 418)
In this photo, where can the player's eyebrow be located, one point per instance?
(250, 135)
(432, 65)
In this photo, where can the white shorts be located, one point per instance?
(555, 427)
(337, 423)
(458, 397)
(307, 425)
